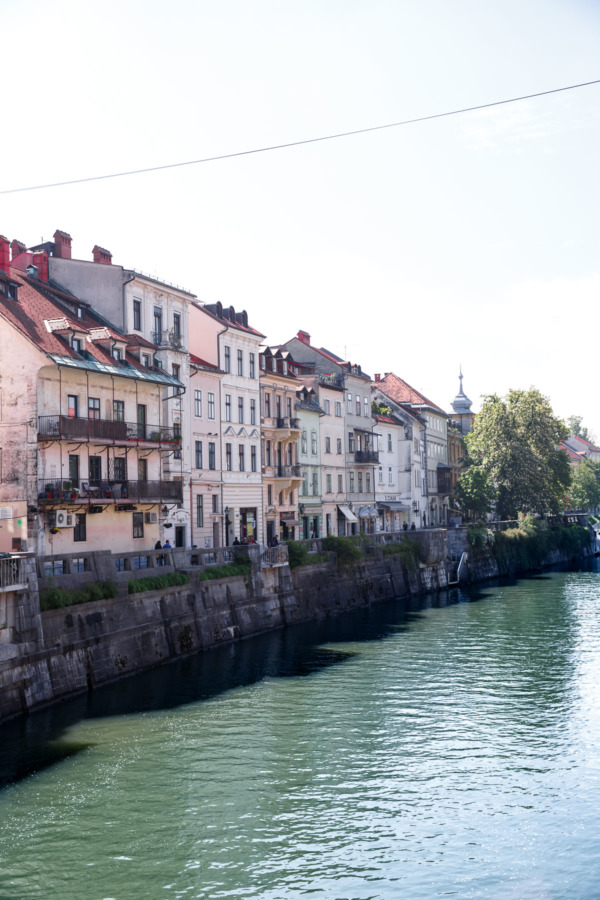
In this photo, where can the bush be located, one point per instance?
(407, 549)
(58, 598)
(241, 566)
(347, 550)
(156, 582)
(297, 554)
(479, 537)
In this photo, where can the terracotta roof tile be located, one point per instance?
(401, 391)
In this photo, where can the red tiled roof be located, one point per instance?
(389, 420)
(400, 391)
(197, 361)
(136, 340)
(572, 454)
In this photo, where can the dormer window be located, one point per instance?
(284, 366)
(77, 344)
(117, 354)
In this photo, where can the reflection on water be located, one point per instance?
(447, 745)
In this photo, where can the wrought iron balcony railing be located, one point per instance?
(85, 491)
(366, 456)
(66, 428)
(283, 471)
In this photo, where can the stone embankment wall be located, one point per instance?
(94, 643)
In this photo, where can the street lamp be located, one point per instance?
(227, 524)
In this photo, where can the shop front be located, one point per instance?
(248, 524)
(287, 526)
(367, 516)
(393, 515)
(347, 521)
(310, 521)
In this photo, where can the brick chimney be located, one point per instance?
(4, 255)
(304, 336)
(40, 261)
(102, 256)
(62, 245)
(16, 248)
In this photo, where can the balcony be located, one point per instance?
(64, 428)
(283, 472)
(287, 423)
(366, 456)
(336, 381)
(167, 340)
(11, 576)
(61, 493)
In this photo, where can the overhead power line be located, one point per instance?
(315, 140)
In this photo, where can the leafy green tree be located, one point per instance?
(474, 491)
(575, 427)
(515, 442)
(585, 493)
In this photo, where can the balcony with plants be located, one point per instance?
(67, 428)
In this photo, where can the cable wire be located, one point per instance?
(315, 140)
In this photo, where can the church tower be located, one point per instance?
(462, 415)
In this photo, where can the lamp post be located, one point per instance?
(227, 524)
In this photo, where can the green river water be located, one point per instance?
(444, 747)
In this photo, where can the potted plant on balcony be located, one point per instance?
(49, 488)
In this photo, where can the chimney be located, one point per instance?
(377, 378)
(16, 248)
(40, 261)
(304, 336)
(4, 255)
(62, 245)
(102, 256)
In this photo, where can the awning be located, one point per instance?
(347, 513)
(367, 512)
(394, 505)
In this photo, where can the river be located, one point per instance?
(444, 746)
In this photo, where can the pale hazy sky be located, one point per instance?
(468, 240)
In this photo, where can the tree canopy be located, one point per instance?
(515, 443)
(585, 493)
(574, 424)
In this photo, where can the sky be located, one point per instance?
(469, 240)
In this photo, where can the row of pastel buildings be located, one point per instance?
(132, 414)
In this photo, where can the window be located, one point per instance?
(95, 469)
(241, 458)
(380, 474)
(228, 407)
(198, 454)
(146, 360)
(269, 495)
(339, 445)
(328, 484)
(313, 443)
(176, 326)
(94, 407)
(215, 503)
(228, 359)
(175, 370)
(278, 405)
(142, 470)
(416, 445)
(351, 441)
(116, 353)
(351, 482)
(76, 344)
(340, 489)
(360, 482)
(284, 366)
(327, 407)
(288, 407)
(267, 406)
(118, 410)
(157, 336)
(253, 457)
(338, 408)
(368, 481)
(304, 442)
(291, 498)
(253, 412)
(240, 409)
(228, 457)
(268, 453)
(349, 399)
(417, 478)
(252, 366)
(327, 445)
(138, 525)
(389, 443)
(211, 405)
(240, 363)
(367, 411)
(141, 421)
(211, 455)
(315, 484)
(305, 482)
(390, 476)
(357, 405)
(137, 315)
(120, 468)
(79, 532)
(198, 404)
(78, 563)
(199, 510)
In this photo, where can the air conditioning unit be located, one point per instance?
(151, 518)
(64, 519)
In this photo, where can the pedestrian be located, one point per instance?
(412, 527)
(160, 560)
(235, 541)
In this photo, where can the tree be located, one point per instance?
(514, 441)
(585, 493)
(474, 491)
(575, 427)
